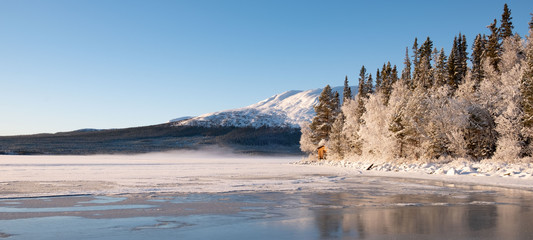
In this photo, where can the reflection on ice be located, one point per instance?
(72, 209)
(461, 212)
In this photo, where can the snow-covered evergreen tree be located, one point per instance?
(377, 141)
(352, 122)
(306, 143)
(337, 144)
(509, 121)
(527, 94)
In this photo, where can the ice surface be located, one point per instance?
(217, 171)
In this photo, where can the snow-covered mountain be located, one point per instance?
(287, 109)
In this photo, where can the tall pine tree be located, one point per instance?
(492, 47)
(477, 56)
(406, 72)
(506, 28)
(441, 69)
(326, 110)
(378, 81)
(347, 92)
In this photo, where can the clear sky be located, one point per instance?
(67, 65)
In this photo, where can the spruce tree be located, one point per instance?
(325, 110)
(362, 81)
(336, 104)
(441, 69)
(492, 47)
(406, 72)
(378, 81)
(452, 72)
(362, 94)
(369, 85)
(347, 92)
(389, 75)
(506, 28)
(463, 57)
(416, 62)
(477, 56)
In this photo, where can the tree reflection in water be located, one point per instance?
(479, 215)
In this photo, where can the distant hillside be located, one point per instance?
(164, 137)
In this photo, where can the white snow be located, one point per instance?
(211, 172)
(485, 172)
(180, 119)
(288, 109)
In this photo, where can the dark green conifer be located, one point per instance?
(441, 69)
(325, 116)
(452, 59)
(492, 47)
(506, 28)
(477, 55)
(406, 72)
(369, 85)
(347, 92)
(362, 82)
(378, 81)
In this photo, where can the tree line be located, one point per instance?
(438, 106)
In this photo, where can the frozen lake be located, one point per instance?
(197, 196)
(433, 211)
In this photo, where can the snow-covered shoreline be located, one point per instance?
(486, 172)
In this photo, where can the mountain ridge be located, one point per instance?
(287, 109)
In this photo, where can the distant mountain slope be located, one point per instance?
(288, 109)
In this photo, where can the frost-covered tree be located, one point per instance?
(527, 94)
(352, 122)
(337, 144)
(509, 119)
(306, 143)
(377, 141)
(479, 134)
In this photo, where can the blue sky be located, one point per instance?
(67, 65)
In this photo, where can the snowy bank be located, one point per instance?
(485, 172)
